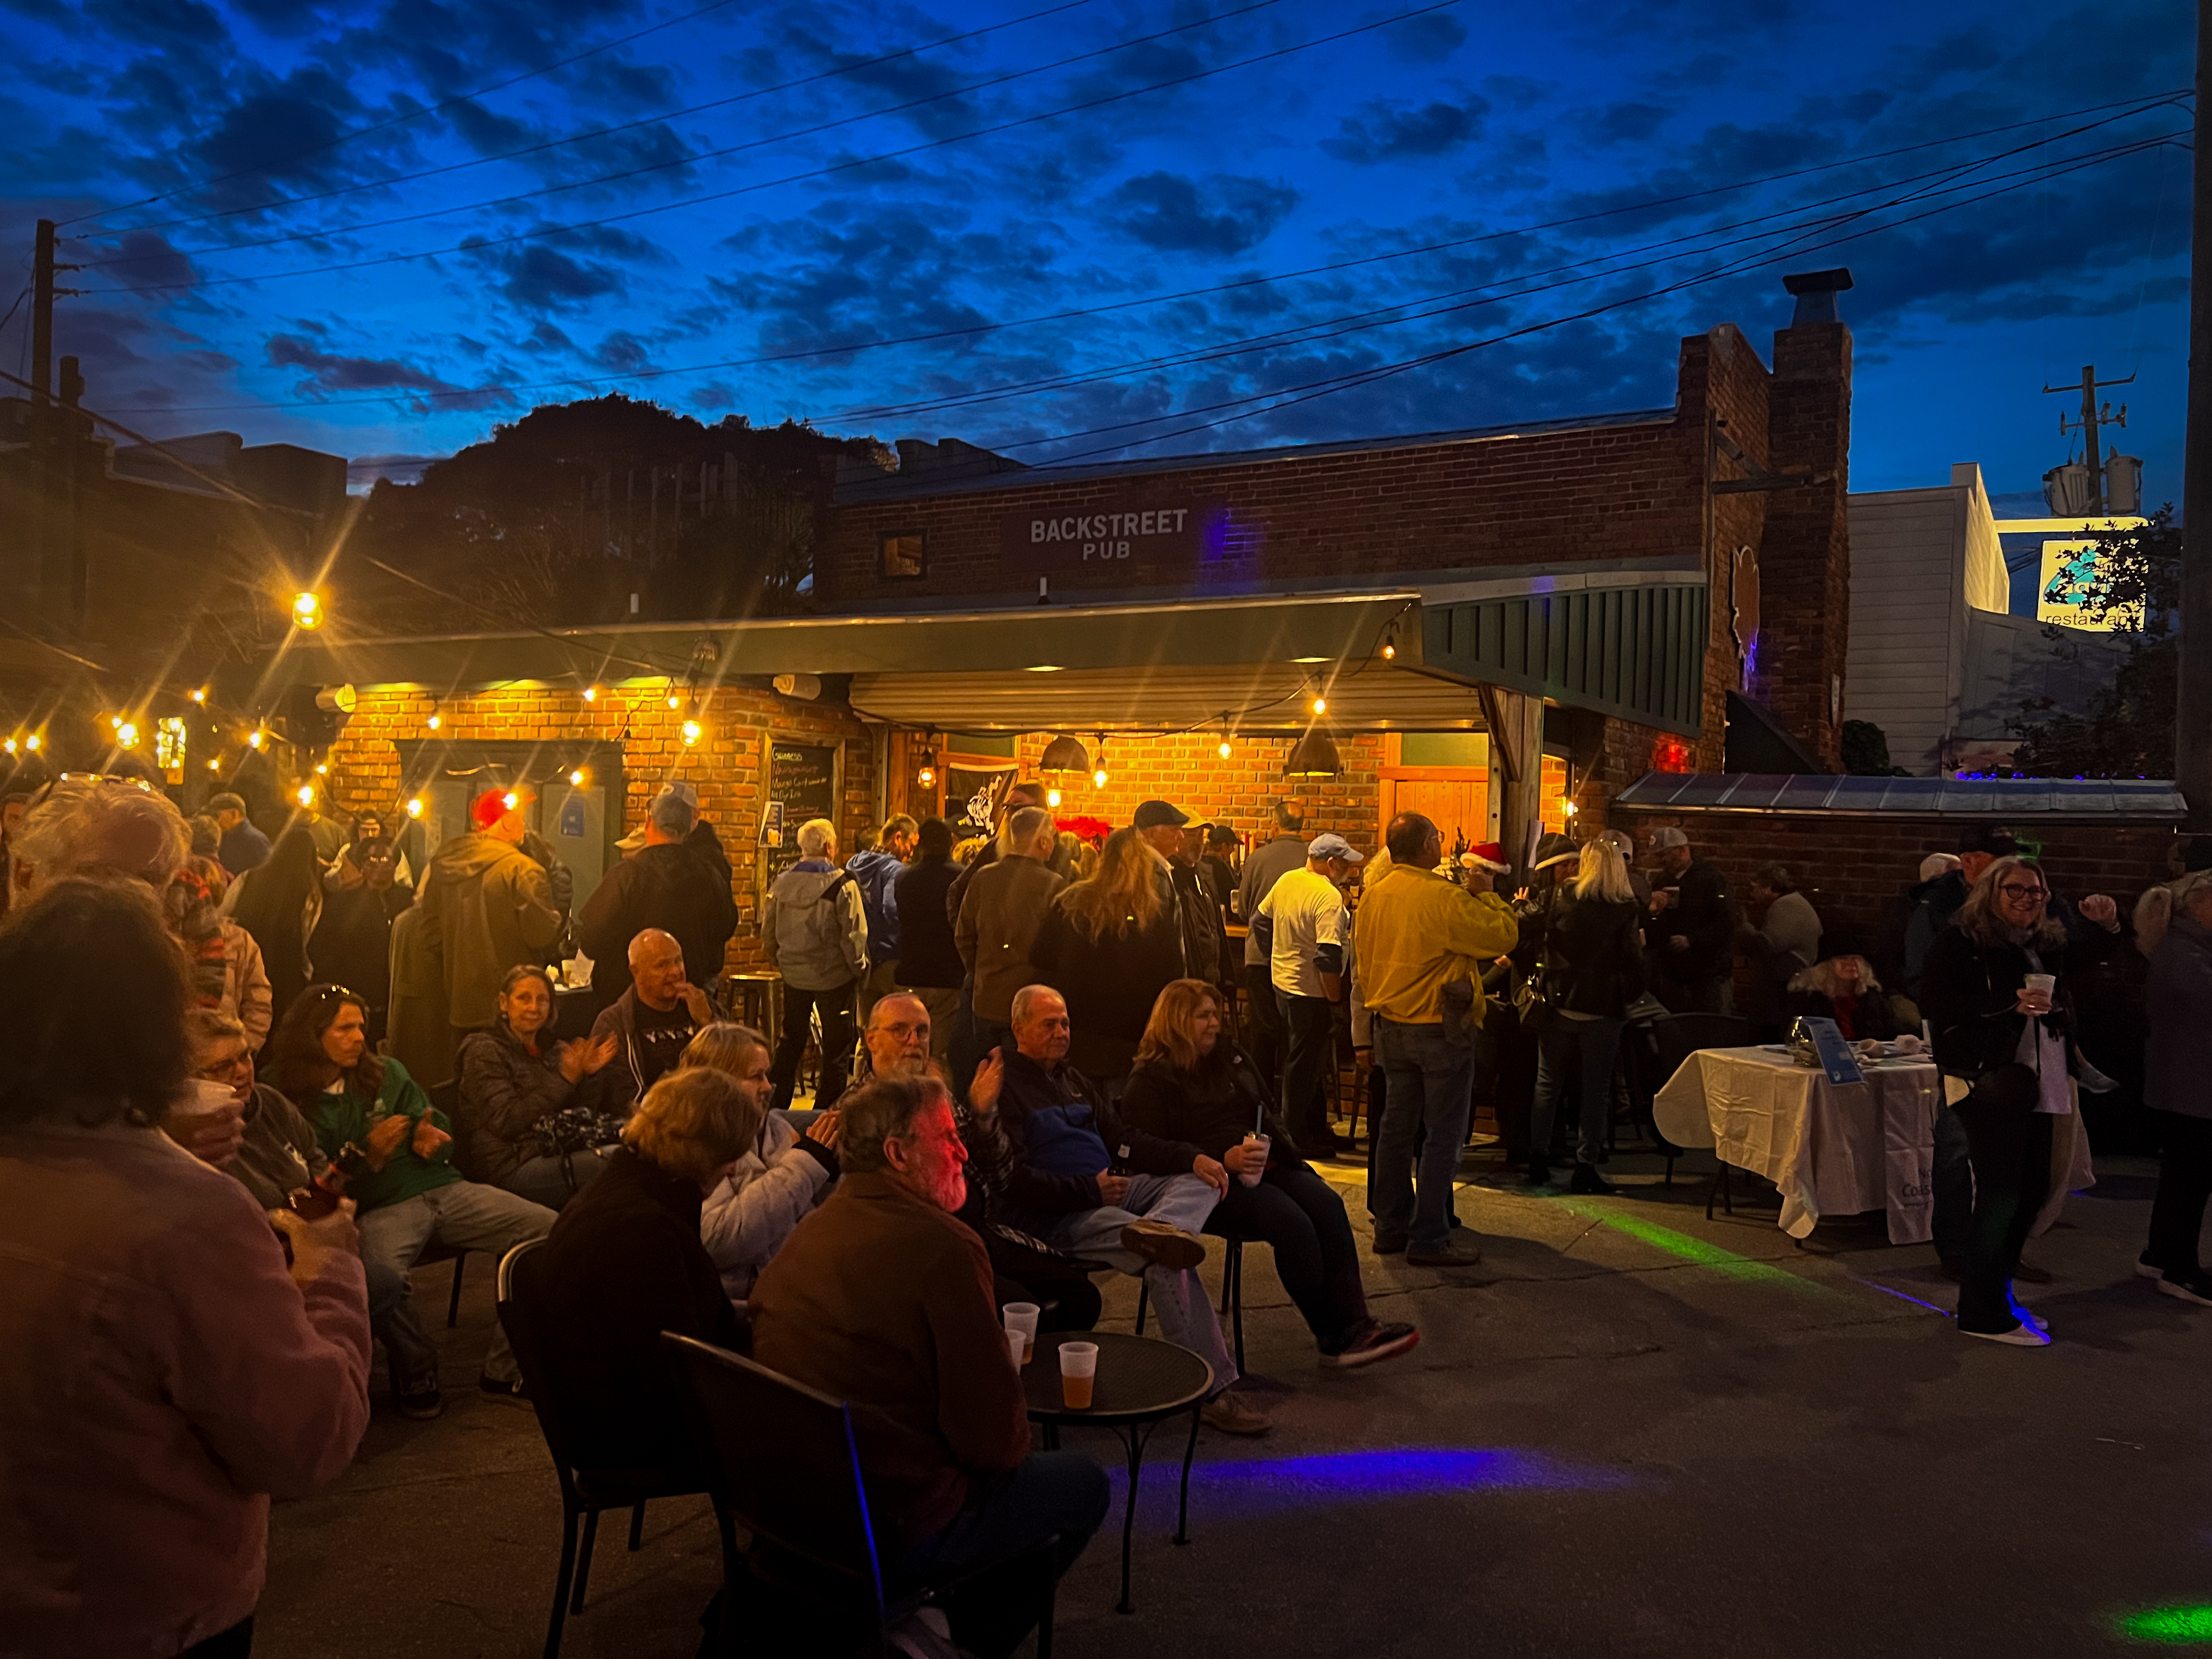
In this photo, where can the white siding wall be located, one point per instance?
(1908, 617)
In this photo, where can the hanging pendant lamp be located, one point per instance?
(1065, 753)
(1314, 757)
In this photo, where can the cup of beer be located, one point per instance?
(1014, 1347)
(1078, 1371)
(1022, 1317)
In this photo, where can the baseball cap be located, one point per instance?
(1334, 846)
(676, 808)
(1666, 835)
(1151, 814)
(1991, 838)
(493, 805)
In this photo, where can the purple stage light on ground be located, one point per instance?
(1252, 1488)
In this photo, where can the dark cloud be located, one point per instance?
(288, 17)
(1427, 40)
(1629, 122)
(329, 371)
(146, 259)
(1170, 212)
(623, 352)
(282, 134)
(487, 132)
(538, 277)
(159, 22)
(624, 85)
(1387, 129)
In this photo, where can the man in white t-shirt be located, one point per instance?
(1303, 925)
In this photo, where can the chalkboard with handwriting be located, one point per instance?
(803, 777)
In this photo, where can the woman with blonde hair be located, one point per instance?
(1844, 989)
(1994, 987)
(1592, 969)
(1194, 1085)
(778, 1177)
(624, 1262)
(1109, 946)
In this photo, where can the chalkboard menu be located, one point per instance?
(803, 776)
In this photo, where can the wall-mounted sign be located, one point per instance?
(1113, 535)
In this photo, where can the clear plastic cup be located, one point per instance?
(1022, 1317)
(1250, 1175)
(1079, 1372)
(2040, 985)
(1016, 1350)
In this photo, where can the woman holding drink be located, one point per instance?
(1994, 990)
(1190, 1084)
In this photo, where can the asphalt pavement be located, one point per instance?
(1629, 1432)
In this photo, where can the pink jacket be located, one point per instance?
(163, 1378)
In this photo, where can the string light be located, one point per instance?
(414, 807)
(1390, 643)
(32, 742)
(1098, 776)
(215, 764)
(126, 735)
(1052, 797)
(675, 701)
(591, 694)
(253, 737)
(307, 794)
(321, 770)
(690, 733)
(1321, 705)
(306, 610)
(115, 722)
(436, 719)
(200, 696)
(9, 745)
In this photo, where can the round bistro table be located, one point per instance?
(1141, 1382)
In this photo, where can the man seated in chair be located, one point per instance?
(1072, 1174)
(882, 1298)
(897, 1043)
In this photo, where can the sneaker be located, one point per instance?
(1231, 1413)
(2028, 1273)
(2022, 1335)
(1588, 1182)
(2027, 1318)
(1374, 1344)
(2197, 1288)
(1539, 1176)
(1163, 1244)
(2146, 1268)
(1456, 1252)
(513, 1387)
(1384, 1245)
(422, 1405)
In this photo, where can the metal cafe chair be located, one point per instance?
(584, 1492)
(1232, 1291)
(783, 1466)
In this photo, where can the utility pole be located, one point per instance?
(49, 574)
(2192, 724)
(2091, 426)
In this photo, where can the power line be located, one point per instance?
(479, 244)
(2130, 106)
(853, 68)
(414, 114)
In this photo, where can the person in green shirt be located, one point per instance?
(372, 1118)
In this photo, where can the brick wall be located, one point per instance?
(1851, 868)
(725, 766)
(1805, 564)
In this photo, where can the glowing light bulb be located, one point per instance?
(436, 720)
(306, 610)
(253, 738)
(690, 733)
(1223, 751)
(1098, 778)
(9, 745)
(214, 765)
(115, 722)
(200, 696)
(577, 777)
(307, 794)
(321, 770)
(1569, 809)
(1052, 797)
(32, 742)
(1320, 705)
(510, 800)
(927, 777)
(414, 807)
(591, 694)
(127, 735)
(675, 701)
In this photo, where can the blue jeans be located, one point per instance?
(1305, 1069)
(1431, 1092)
(1187, 1316)
(463, 1215)
(1953, 1183)
(1055, 1491)
(1594, 1042)
(554, 1180)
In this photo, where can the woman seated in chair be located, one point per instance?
(1191, 1084)
(521, 1126)
(1844, 989)
(780, 1176)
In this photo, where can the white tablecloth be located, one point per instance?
(1831, 1150)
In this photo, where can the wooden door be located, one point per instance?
(1458, 806)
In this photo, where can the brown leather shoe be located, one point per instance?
(1162, 1245)
(1231, 1413)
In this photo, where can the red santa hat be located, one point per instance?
(1488, 856)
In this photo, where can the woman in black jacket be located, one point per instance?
(514, 1079)
(1994, 989)
(1109, 946)
(1189, 1085)
(1593, 968)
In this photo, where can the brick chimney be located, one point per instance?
(1805, 556)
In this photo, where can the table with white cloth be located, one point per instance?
(1832, 1149)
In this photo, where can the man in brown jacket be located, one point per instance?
(884, 1299)
(486, 905)
(1000, 912)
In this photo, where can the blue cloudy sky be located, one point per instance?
(1060, 226)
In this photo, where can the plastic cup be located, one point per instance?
(1022, 1319)
(1078, 1371)
(1015, 1349)
(2043, 983)
(1251, 1173)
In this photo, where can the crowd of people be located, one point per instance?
(1032, 1066)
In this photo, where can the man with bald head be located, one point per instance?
(651, 1022)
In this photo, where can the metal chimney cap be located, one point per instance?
(1819, 282)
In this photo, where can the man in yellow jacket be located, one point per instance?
(1421, 943)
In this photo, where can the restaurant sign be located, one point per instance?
(1113, 536)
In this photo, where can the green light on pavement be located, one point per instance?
(2173, 1626)
(1697, 1250)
